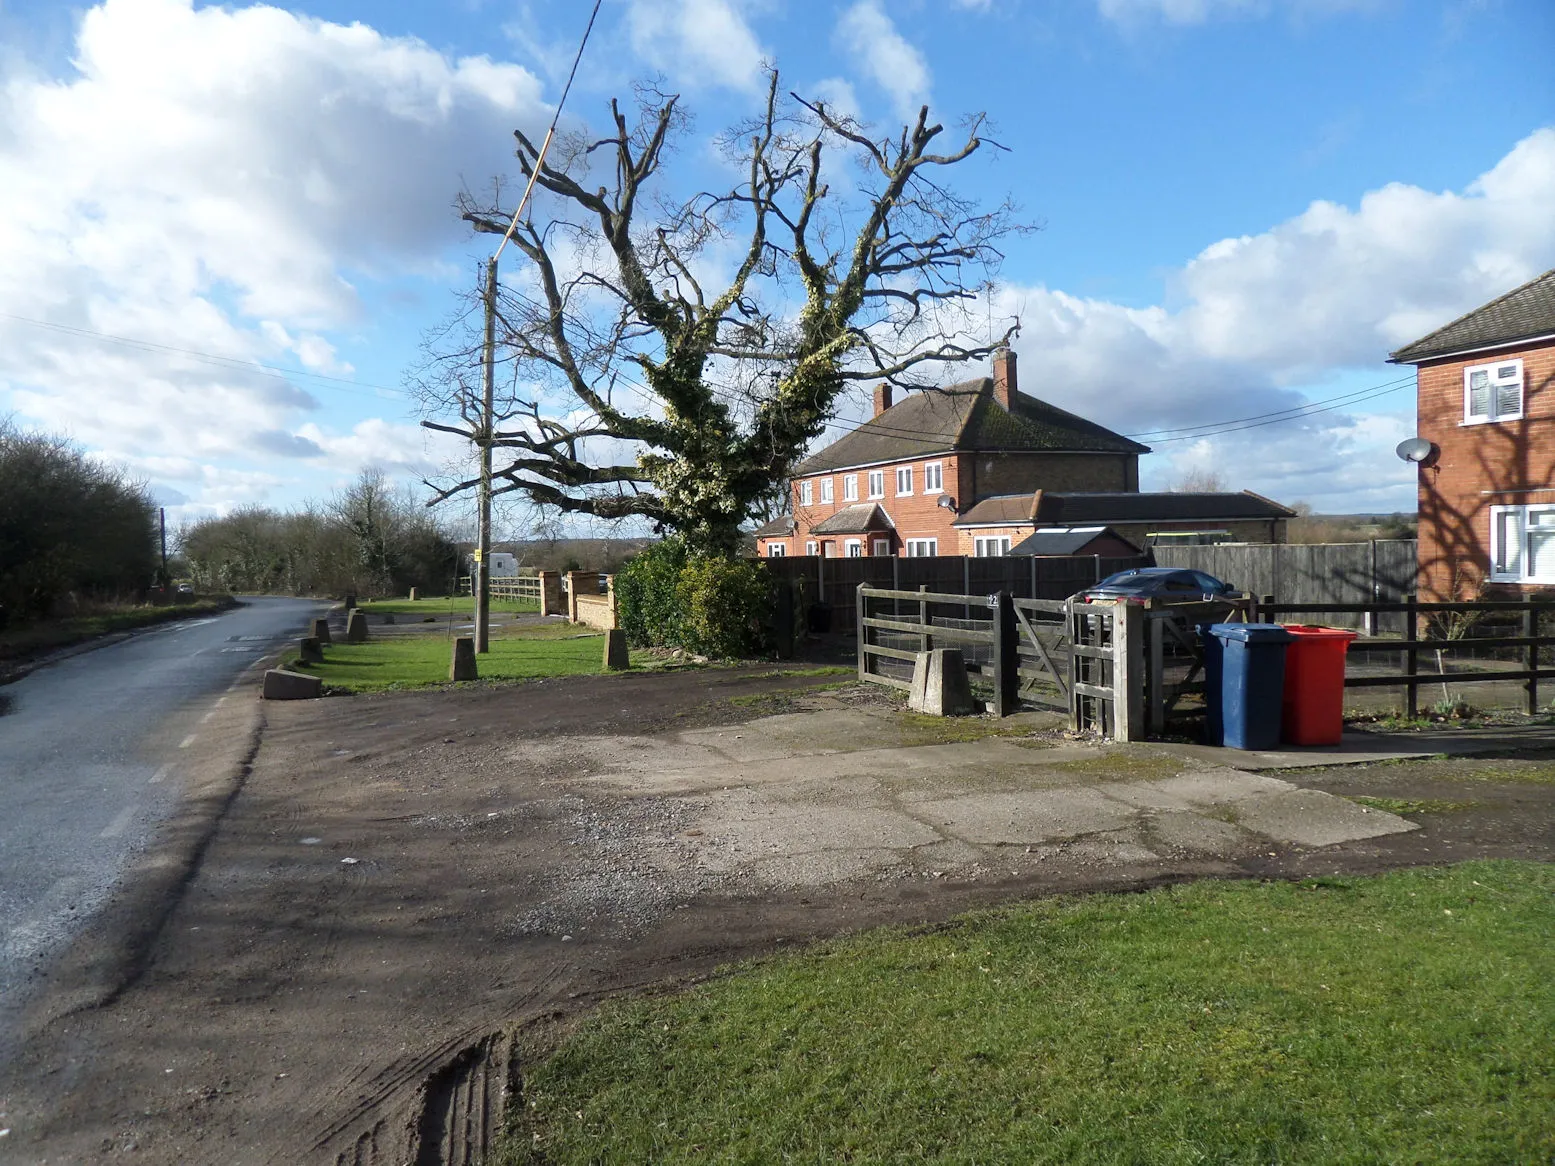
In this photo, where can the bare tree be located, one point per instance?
(671, 360)
(1200, 481)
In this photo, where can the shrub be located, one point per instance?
(725, 606)
(646, 605)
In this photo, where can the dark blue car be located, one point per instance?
(1143, 583)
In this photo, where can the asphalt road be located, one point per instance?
(90, 752)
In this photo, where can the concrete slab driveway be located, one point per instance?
(395, 881)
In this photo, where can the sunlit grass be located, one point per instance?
(423, 661)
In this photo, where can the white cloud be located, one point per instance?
(1135, 12)
(220, 180)
(866, 32)
(697, 41)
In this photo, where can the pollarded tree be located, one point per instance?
(672, 358)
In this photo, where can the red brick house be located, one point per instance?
(897, 484)
(1486, 398)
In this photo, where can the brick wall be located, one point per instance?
(1479, 466)
(916, 515)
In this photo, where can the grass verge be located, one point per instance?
(459, 605)
(1402, 1018)
(24, 641)
(422, 661)
(1412, 805)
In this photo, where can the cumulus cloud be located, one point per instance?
(866, 33)
(697, 41)
(221, 181)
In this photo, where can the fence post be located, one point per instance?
(925, 641)
(1128, 660)
(1370, 623)
(1531, 630)
(1411, 657)
(1006, 654)
(863, 634)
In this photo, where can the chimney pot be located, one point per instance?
(1004, 378)
(882, 397)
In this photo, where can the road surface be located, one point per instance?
(90, 751)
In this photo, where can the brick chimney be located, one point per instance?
(1004, 382)
(882, 398)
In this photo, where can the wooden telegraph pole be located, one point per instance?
(481, 574)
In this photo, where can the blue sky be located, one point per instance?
(1245, 204)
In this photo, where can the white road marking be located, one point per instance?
(207, 716)
(220, 700)
(156, 778)
(116, 827)
(186, 742)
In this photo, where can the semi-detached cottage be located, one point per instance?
(1486, 398)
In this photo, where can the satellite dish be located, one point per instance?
(1415, 449)
(946, 502)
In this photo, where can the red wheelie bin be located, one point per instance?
(1312, 711)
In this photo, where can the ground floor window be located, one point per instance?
(855, 548)
(812, 548)
(776, 550)
(1522, 544)
(992, 546)
(922, 548)
(882, 546)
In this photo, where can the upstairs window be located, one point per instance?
(934, 478)
(1493, 392)
(806, 493)
(826, 494)
(877, 483)
(850, 488)
(904, 481)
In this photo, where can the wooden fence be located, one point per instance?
(830, 583)
(1314, 577)
(508, 587)
(1447, 621)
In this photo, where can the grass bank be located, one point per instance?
(24, 641)
(419, 661)
(1404, 1018)
(459, 605)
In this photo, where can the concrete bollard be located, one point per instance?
(350, 603)
(463, 666)
(413, 595)
(939, 684)
(283, 685)
(617, 658)
(321, 631)
(388, 618)
(310, 650)
(356, 627)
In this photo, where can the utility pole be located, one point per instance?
(481, 575)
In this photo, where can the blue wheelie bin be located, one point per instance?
(1244, 683)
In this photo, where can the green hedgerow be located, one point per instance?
(646, 606)
(725, 606)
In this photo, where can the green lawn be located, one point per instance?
(1404, 1018)
(461, 605)
(422, 661)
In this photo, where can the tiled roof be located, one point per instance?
(1001, 510)
(964, 417)
(1521, 314)
(780, 527)
(854, 519)
(1165, 507)
(1064, 540)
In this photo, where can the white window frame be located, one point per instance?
(854, 548)
(850, 488)
(828, 493)
(991, 546)
(811, 547)
(882, 547)
(903, 474)
(1499, 376)
(1517, 570)
(777, 550)
(934, 477)
(877, 483)
(922, 548)
(806, 493)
